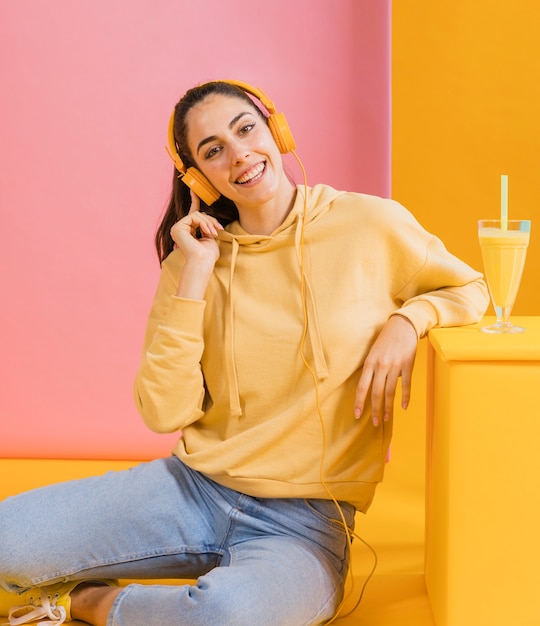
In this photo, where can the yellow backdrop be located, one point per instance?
(466, 109)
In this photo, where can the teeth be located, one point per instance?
(251, 174)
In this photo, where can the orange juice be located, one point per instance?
(503, 253)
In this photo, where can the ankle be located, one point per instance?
(91, 602)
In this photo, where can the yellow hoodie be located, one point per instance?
(228, 371)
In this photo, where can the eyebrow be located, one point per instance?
(231, 124)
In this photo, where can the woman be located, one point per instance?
(283, 319)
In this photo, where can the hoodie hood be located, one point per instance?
(311, 204)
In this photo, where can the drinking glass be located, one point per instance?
(504, 248)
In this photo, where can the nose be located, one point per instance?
(239, 152)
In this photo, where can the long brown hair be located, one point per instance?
(222, 209)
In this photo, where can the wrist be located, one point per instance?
(194, 279)
(400, 318)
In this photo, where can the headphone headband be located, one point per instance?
(254, 91)
(194, 178)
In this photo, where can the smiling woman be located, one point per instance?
(283, 319)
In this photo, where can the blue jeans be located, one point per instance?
(257, 561)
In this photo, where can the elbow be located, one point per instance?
(162, 416)
(482, 302)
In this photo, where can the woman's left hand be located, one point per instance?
(391, 356)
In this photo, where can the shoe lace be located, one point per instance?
(39, 607)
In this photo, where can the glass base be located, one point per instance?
(501, 327)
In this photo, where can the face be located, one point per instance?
(234, 148)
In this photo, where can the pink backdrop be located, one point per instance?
(87, 89)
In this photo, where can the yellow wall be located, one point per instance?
(466, 109)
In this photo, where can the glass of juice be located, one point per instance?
(504, 248)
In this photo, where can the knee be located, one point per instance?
(274, 603)
(20, 557)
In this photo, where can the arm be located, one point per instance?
(440, 291)
(169, 384)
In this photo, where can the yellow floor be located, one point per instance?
(396, 594)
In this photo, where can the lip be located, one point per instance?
(253, 174)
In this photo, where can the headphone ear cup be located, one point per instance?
(200, 185)
(281, 132)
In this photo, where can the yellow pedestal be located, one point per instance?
(483, 476)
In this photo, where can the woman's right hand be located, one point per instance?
(200, 252)
(203, 248)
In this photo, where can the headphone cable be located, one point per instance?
(342, 521)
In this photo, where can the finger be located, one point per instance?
(362, 390)
(377, 398)
(195, 202)
(195, 222)
(406, 380)
(207, 224)
(389, 396)
(190, 225)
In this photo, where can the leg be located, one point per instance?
(92, 604)
(144, 522)
(269, 582)
(285, 564)
(282, 561)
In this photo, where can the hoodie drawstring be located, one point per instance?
(232, 377)
(311, 329)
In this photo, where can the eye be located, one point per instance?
(246, 128)
(212, 152)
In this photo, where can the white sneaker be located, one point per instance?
(52, 603)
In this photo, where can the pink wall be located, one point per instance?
(87, 88)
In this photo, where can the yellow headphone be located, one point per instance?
(195, 179)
